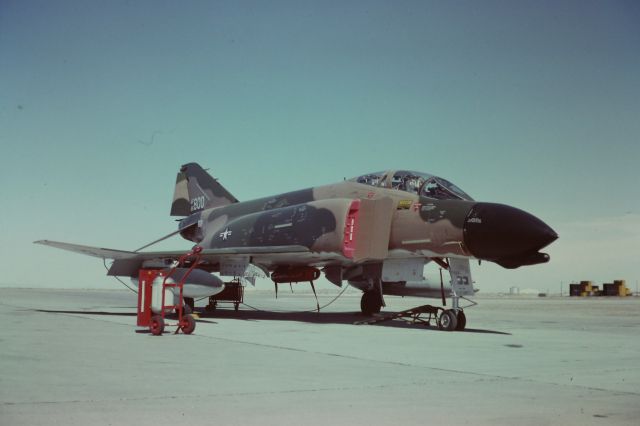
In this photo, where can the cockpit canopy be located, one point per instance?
(423, 184)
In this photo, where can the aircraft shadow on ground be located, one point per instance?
(308, 317)
(114, 314)
(327, 318)
(105, 313)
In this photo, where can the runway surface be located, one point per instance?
(73, 357)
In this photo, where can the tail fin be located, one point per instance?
(196, 190)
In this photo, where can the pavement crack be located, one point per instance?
(440, 369)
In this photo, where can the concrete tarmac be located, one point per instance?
(74, 357)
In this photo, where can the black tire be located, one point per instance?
(157, 325)
(236, 306)
(370, 303)
(462, 321)
(447, 321)
(188, 324)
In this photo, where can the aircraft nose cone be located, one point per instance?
(496, 232)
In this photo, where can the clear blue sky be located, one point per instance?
(533, 104)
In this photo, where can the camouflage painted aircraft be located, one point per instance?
(376, 231)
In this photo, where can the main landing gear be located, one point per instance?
(454, 318)
(372, 299)
(370, 303)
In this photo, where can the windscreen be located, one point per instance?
(372, 179)
(442, 189)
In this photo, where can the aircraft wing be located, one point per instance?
(103, 253)
(127, 263)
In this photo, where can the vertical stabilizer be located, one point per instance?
(197, 190)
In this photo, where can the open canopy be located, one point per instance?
(423, 184)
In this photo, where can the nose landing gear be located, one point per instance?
(461, 321)
(447, 320)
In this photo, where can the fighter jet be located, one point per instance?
(376, 231)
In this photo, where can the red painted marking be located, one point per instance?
(351, 230)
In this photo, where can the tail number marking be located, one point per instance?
(197, 203)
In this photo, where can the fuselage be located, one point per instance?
(419, 226)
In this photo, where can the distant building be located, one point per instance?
(586, 288)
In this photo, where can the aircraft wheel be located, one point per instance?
(370, 303)
(236, 306)
(188, 324)
(447, 321)
(157, 325)
(461, 321)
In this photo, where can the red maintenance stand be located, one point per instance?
(146, 293)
